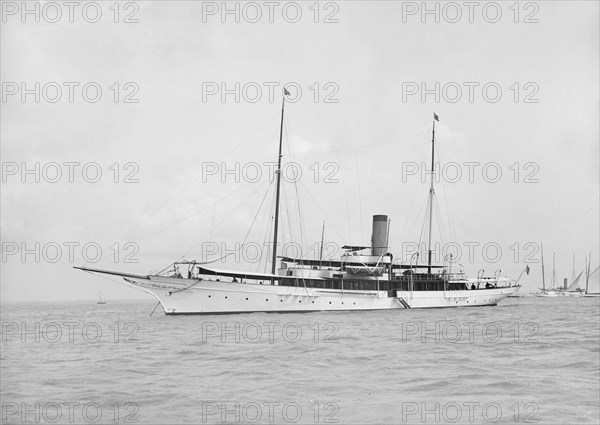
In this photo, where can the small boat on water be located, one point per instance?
(553, 292)
(364, 278)
(100, 300)
(592, 286)
(573, 290)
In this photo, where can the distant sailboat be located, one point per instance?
(548, 292)
(574, 290)
(100, 300)
(592, 282)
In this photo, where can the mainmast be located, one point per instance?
(543, 274)
(553, 270)
(587, 272)
(322, 241)
(278, 172)
(431, 191)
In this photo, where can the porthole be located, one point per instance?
(280, 301)
(299, 301)
(209, 296)
(329, 302)
(225, 297)
(246, 299)
(313, 302)
(267, 299)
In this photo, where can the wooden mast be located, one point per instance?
(431, 192)
(278, 172)
(587, 273)
(543, 274)
(322, 241)
(553, 271)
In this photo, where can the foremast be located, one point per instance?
(278, 173)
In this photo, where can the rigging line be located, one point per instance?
(115, 281)
(447, 229)
(376, 264)
(165, 269)
(154, 309)
(410, 209)
(284, 192)
(359, 193)
(184, 189)
(285, 188)
(267, 231)
(441, 230)
(436, 218)
(449, 214)
(254, 219)
(300, 216)
(181, 220)
(297, 177)
(425, 221)
(194, 213)
(268, 228)
(260, 227)
(301, 222)
(187, 287)
(213, 221)
(346, 197)
(419, 133)
(323, 212)
(286, 209)
(270, 238)
(417, 219)
(225, 218)
(293, 232)
(276, 114)
(300, 226)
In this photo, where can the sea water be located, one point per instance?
(527, 360)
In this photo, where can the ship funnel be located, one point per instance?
(379, 237)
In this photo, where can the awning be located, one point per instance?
(240, 274)
(355, 247)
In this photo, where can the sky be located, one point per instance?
(137, 135)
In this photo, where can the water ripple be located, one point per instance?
(534, 357)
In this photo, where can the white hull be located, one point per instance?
(549, 294)
(192, 296)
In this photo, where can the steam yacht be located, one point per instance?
(364, 278)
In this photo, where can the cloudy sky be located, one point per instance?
(133, 136)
